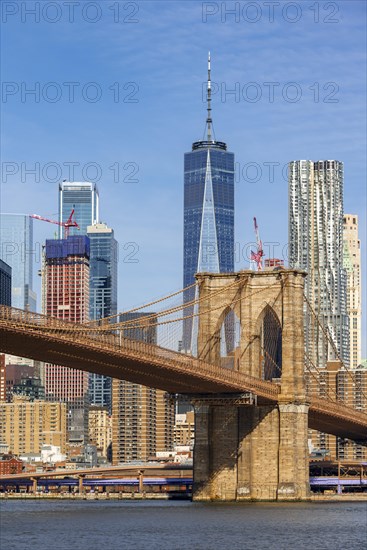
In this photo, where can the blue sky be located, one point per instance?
(161, 61)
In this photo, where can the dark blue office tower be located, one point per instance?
(208, 214)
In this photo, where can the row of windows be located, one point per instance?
(198, 158)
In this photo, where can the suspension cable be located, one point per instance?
(110, 328)
(135, 323)
(318, 379)
(143, 306)
(166, 312)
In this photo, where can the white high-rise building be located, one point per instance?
(352, 265)
(316, 245)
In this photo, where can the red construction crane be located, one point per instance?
(257, 256)
(66, 225)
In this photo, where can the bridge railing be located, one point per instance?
(323, 392)
(334, 409)
(30, 317)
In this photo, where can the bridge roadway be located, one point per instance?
(44, 338)
(148, 474)
(46, 483)
(336, 469)
(166, 470)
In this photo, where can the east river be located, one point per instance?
(181, 525)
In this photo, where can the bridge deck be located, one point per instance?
(49, 339)
(37, 337)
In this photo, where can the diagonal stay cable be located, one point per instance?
(331, 341)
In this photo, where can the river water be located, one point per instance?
(181, 525)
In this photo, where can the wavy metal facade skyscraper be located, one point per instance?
(208, 212)
(316, 245)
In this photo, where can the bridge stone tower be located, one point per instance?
(253, 449)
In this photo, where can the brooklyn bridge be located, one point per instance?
(254, 402)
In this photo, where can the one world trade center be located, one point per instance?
(208, 215)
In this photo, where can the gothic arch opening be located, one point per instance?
(270, 345)
(229, 337)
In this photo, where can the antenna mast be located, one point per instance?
(209, 100)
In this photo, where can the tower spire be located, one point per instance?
(209, 107)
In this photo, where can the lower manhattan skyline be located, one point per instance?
(138, 141)
(182, 274)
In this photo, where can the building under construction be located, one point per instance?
(66, 289)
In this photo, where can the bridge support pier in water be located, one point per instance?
(34, 485)
(251, 452)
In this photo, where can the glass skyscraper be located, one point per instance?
(84, 199)
(102, 297)
(103, 274)
(5, 284)
(17, 250)
(208, 214)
